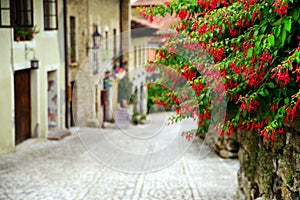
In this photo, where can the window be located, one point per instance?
(5, 13)
(115, 42)
(72, 39)
(22, 19)
(23, 13)
(50, 15)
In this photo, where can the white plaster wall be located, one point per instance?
(7, 140)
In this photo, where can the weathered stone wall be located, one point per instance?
(224, 146)
(269, 170)
(87, 108)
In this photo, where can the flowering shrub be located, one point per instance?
(256, 53)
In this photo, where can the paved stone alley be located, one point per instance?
(41, 169)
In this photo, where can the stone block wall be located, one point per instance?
(269, 170)
(224, 146)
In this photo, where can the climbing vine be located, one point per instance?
(253, 47)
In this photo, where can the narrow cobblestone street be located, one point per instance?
(42, 169)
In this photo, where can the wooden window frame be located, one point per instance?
(22, 18)
(10, 14)
(73, 52)
(18, 14)
(48, 16)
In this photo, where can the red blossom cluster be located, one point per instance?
(292, 111)
(182, 14)
(281, 8)
(282, 77)
(210, 5)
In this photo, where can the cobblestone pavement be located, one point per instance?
(41, 169)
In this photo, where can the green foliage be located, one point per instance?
(255, 48)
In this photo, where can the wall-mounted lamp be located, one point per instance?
(34, 63)
(96, 35)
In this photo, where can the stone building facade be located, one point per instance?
(137, 72)
(95, 46)
(32, 70)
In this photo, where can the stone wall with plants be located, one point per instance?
(270, 170)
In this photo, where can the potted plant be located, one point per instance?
(25, 33)
(20, 33)
(72, 55)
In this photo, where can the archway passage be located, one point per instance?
(22, 105)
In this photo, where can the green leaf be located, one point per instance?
(244, 113)
(281, 111)
(288, 25)
(286, 100)
(271, 85)
(277, 31)
(264, 93)
(271, 40)
(249, 53)
(296, 14)
(283, 37)
(255, 32)
(237, 117)
(263, 29)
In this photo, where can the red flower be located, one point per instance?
(151, 18)
(253, 16)
(282, 77)
(281, 8)
(182, 14)
(202, 29)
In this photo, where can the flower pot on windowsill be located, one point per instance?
(23, 37)
(72, 60)
(18, 38)
(25, 33)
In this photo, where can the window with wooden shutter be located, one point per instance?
(50, 15)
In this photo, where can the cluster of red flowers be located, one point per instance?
(211, 5)
(282, 77)
(292, 111)
(253, 105)
(182, 14)
(281, 8)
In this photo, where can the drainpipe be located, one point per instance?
(121, 30)
(66, 64)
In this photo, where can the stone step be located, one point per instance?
(58, 134)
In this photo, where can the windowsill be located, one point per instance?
(21, 44)
(74, 64)
(49, 33)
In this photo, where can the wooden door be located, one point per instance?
(103, 103)
(22, 105)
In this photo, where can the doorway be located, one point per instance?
(22, 105)
(52, 99)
